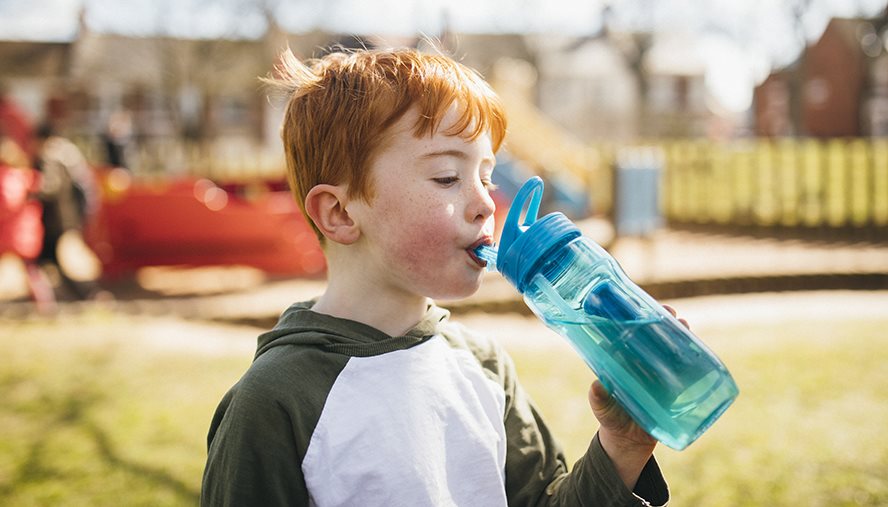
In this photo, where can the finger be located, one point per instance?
(599, 398)
(675, 314)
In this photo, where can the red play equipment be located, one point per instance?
(21, 231)
(193, 221)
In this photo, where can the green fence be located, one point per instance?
(803, 185)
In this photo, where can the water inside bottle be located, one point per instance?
(671, 387)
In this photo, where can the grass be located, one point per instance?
(94, 413)
(808, 426)
(103, 409)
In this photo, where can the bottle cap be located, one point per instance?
(523, 248)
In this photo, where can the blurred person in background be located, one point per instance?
(21, 228)
(69, 194)
(117, 139)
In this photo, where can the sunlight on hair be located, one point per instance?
(341, 105)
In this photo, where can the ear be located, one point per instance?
(326, 205)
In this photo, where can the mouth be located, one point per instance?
(486, 240)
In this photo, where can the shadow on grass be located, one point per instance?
(71, 411)
(148, 473)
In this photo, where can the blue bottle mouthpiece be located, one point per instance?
(487, 253)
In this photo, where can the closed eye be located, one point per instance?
(446, 181)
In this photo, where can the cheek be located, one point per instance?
(423, 238)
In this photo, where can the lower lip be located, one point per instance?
(478, 261)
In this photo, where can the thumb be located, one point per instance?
(599, 398)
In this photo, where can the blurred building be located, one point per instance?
(675, 89)
(587, 86)
(200, 91)
(32, 71)
(837, 88)
(619, 86)
(776, 103)
(481, 51)
(172, 96)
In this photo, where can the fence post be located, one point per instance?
(880, 182)
(789, 188)
(859, 195)
(834, 185)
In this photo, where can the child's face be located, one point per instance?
(431, 205)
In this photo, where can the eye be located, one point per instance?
(446, 181)
(489, 185)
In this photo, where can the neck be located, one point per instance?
(354, 296)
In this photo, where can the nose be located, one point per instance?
(481, 205)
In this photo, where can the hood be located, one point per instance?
(301, 326)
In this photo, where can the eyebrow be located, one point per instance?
(445, 153)
(452, 153)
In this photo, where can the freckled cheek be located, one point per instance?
(421, 244)
(418, 228)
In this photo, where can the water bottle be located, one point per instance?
(665, 378)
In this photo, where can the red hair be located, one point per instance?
(341, 106)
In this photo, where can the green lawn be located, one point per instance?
(104, 409)
(95, 413)
(808, 427)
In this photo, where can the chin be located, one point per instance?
(454, 293)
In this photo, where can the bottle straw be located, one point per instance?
(487, 253)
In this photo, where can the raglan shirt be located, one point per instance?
(335, 412)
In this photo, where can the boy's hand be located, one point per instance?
(627, 445)
(618, 431)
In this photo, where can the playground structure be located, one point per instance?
(194, 221)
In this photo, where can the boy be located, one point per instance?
(370, 395)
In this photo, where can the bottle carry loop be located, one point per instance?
(532, 188)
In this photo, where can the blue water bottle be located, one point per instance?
(665, 378)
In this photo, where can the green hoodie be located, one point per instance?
(335, 412)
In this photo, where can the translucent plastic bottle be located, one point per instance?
(662, 374)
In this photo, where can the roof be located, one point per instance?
(155, 61)
(26, 58)
(866, 35)
(481, 51)
(674, 54)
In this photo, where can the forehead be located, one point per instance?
(403, 134)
